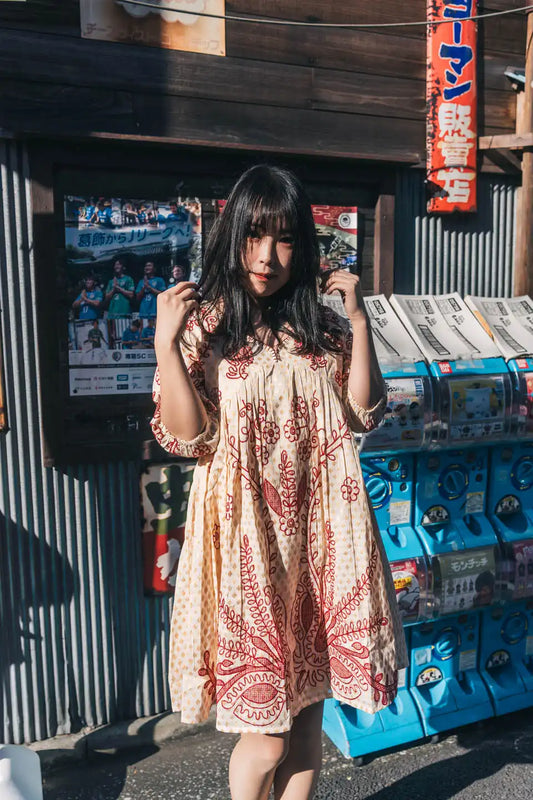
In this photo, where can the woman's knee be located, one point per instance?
(306, 733)
(267, 750)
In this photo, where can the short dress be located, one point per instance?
(283, 595)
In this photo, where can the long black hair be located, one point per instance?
(268, 198)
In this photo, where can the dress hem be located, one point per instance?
(321, 696)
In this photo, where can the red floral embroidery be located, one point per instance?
(254, 657)
(305, 449)
(326, 640)
(300, 422)
(288, 504)
(208, 671)
(316, 361)
(252, 674)
(192, 323)
(271, 432)
(210, 320)
(290, 430)
(262, 453)
(258, 429)
(238, 366)
(350, 490)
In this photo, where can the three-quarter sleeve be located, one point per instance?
(360, 419)
(196, 351)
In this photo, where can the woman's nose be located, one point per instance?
(266, 249)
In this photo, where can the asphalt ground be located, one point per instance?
(488, 761)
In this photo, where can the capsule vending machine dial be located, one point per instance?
(387, 462)
(507, 632)
(473, 397)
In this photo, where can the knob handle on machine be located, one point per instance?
(523, 473)
(447, 644)
(514, 628)
(454, 483)
(378, 489)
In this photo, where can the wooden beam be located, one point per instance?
(500, 33)
(506, 160)
(58, 110)
(506, 141)
(384, 245)
(523, 271)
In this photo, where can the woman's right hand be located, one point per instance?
(174, 306)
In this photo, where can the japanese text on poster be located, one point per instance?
(120, 255)
(468, 580)
(451, 94)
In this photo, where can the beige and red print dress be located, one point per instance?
(281, 597)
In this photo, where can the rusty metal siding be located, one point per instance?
(81, 645)
(469, 253)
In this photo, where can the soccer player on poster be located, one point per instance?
(119, 293)
(147, 290)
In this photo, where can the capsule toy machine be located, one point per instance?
(507, 630)
(473, 399)
(387, 461)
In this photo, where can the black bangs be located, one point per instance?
(265, 200)
(272, 214)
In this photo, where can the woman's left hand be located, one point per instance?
(349, 286)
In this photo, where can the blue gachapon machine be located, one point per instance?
(472, 393)
(507, 629)
(387, 461)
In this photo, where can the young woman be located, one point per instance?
(283, 594)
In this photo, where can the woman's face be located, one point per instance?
(267, 261)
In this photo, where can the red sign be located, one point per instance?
(451, 94)
(336, 228)
(445, 367)
(160, 559)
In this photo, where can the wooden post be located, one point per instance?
(384, 245)
(523, 275)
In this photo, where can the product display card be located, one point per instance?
(509, 321)
(393, 343)
(444, 327)
(522, 310)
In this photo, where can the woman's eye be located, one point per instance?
(287, 240)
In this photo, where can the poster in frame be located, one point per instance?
(120, 254)
(87, 417)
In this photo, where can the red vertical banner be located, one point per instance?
(451, 93)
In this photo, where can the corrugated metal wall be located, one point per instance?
(470, 254)
(79, 644)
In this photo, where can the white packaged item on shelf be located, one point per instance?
(394, 345)
(444, 327)
(510, 322)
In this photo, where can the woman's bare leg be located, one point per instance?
(253, 763)
(296, 778)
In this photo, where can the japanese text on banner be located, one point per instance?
(451, 105)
